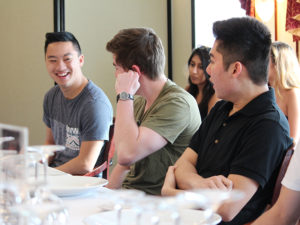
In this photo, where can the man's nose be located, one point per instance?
(61, 65)
(208, 69)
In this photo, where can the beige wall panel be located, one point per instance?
(182, 40)
(24, 79)
(95, 22)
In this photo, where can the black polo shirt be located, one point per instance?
(251, 143)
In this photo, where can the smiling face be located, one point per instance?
(63, 63)
(196, 72)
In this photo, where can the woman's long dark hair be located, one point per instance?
(207, 91)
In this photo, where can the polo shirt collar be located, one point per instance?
(257, 105)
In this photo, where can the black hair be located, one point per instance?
(65, 36)
(245, 40)
(208, 90)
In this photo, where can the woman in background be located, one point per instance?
(199, 85)
(284, 77)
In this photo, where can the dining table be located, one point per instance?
(84, 200)
(81, 206)
(94, 204)
(82, 196)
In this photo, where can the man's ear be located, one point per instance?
(81, 60)
(237, 68)
(136, 68)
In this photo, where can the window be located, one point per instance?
(205, 13)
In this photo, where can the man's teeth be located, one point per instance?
(62, 74)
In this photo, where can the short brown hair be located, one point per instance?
(141, 47)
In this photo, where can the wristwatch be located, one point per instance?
(124, 96)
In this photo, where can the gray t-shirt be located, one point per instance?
(87, 117)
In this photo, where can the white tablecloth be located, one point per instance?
(84, 205)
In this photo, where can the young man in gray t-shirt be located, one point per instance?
(77, 113)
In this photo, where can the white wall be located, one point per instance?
(24, 79)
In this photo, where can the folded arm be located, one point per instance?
(248, 186)
(184, 176)
(187, 176)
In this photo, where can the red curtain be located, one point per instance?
(293, 18)
(248, 5)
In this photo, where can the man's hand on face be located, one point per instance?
(127, 82)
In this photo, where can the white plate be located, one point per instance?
(74, 185)
(128, 217)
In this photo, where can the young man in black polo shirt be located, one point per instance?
(241, 143)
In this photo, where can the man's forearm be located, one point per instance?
(117, 177)
(126, 129)
(74, 167)
(186, 176)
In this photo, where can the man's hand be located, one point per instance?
(127, 82)
(169, 187)
(216, 182)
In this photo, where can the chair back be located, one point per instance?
(282, 171)
(108, 154)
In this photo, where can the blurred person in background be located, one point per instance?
(199, 85)
(284, 77)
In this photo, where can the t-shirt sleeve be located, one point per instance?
(291, 179)
(46, 111)
(169, 119)
(260, 152)
(95, 121)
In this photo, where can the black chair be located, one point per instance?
(108, 155)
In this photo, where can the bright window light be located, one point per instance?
(207, 12)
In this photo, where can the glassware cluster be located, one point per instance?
(201, 205)
(24, 196)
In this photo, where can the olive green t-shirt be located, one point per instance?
(175, 116)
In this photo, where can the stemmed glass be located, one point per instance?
(127, 198)
(209, 200)
(46, 151)
(124, 198)
(36, 205)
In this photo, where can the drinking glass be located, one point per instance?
(209, 200)
(46, 151)
(37, 205)
(124, 198)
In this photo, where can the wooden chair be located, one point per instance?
(108, 154)
(282, 171)
(284, 165)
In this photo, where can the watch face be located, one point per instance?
(124, 96)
